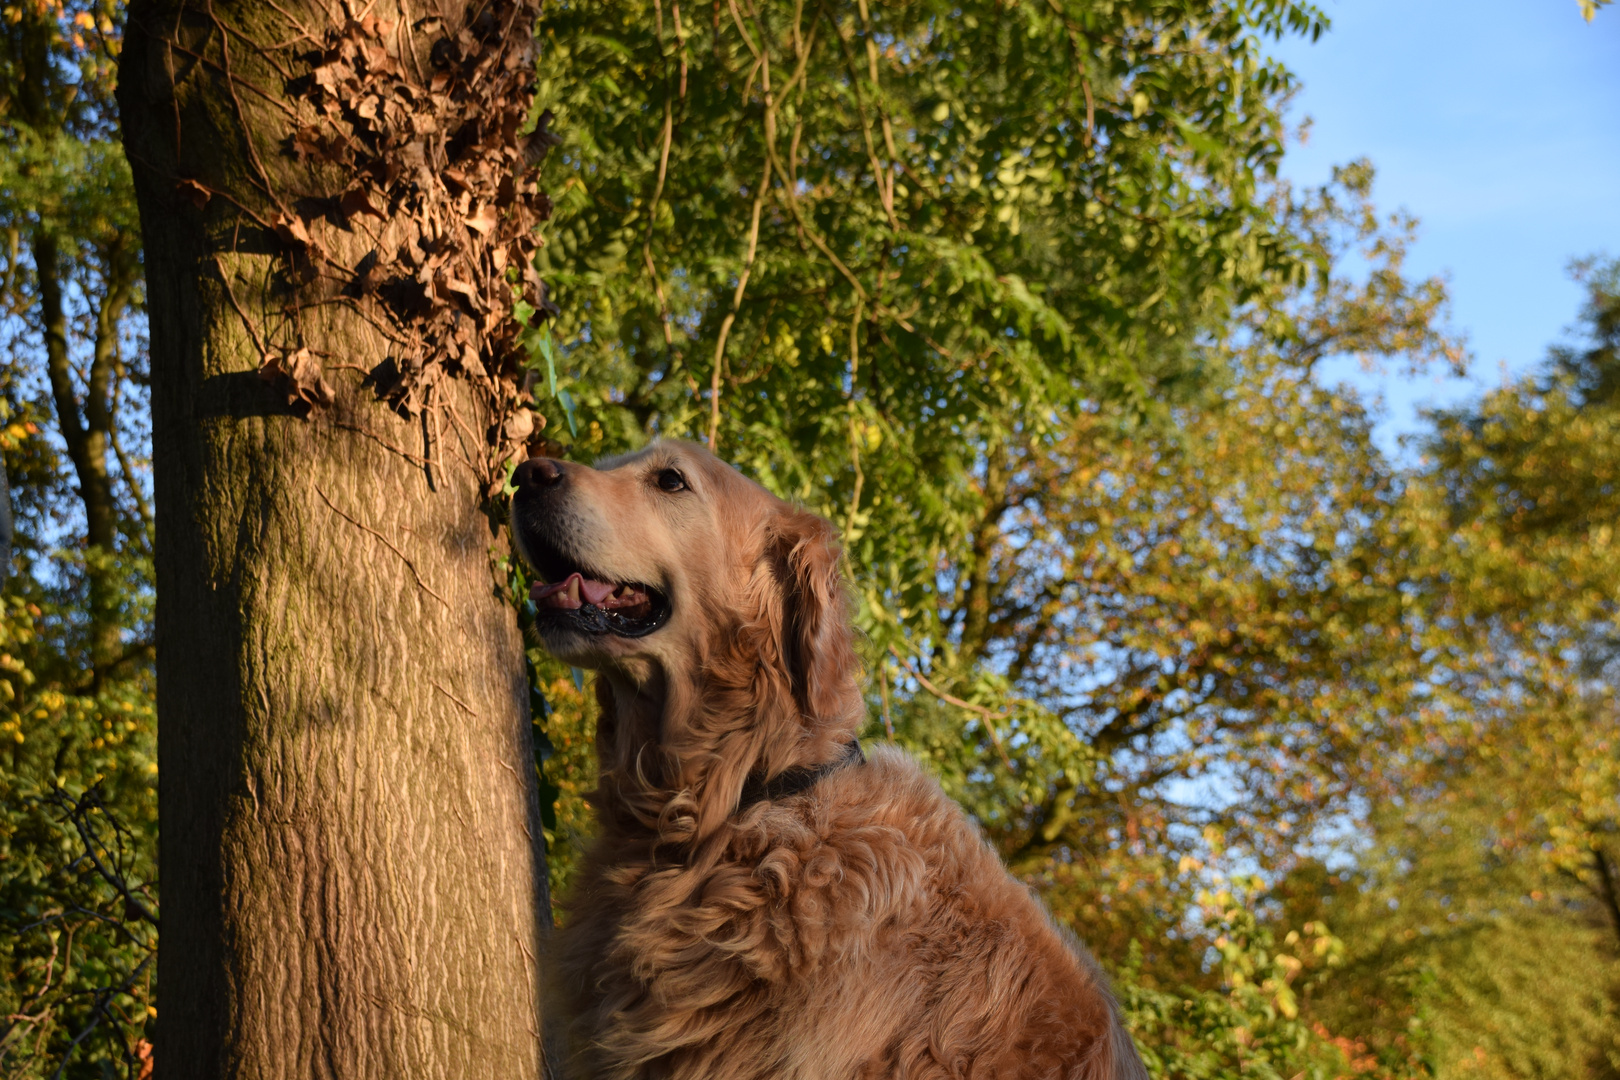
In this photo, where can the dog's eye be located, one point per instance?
(670, 480)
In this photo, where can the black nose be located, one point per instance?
(536, 473)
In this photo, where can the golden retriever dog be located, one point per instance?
(763, 900)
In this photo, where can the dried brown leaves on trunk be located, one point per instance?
(418, 128)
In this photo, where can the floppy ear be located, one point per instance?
(816, 638)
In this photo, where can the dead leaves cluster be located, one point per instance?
(298, 374)
(421, 124)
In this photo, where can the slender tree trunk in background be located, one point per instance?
(352, 861)
(5, 524)
(88, 435)
(1608, 888)
(976, 600)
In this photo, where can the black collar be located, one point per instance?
(797, 780)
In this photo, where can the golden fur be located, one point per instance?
(859, 929)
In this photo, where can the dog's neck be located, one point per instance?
(677, 751)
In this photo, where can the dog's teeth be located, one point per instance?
(573, 591)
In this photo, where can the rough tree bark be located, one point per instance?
(352, 864)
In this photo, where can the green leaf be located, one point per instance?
(548, 351)
(567, 400)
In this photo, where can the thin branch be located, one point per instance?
(104, 997)
(884, 178)
(1611, 895)
(264, 353)
(883, 697)
(385, 444)
(464, 706)
(124, 467)
(292, 20)
(1079, 63)
(680, 44)
(664, 316)
(852, 419)
(736, 303)
(987, 716)
(117, 882)
(464, 432)
(241, 113)
(203, 60)
(805, 230)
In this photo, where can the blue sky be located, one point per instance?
(1497, 123)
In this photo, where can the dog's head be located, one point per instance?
(651, 561)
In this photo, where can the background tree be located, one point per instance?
(1484, 909)
(68, 205)
(1519, 505)
(77, 756)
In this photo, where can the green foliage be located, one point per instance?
(1248, 1025)
(78, 822)
(1463, 956)
(78, 765)
(78, 776)
(1051, 377)
(856, 246)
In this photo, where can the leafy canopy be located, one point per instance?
(855, 246)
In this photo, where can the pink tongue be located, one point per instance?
(563, 594)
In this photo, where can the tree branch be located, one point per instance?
(1611, 895)
(986, 716)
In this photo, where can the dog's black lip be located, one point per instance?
(552, 566)
(590, 619)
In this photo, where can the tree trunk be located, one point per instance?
(5, 523)
(352, 862)
(1608, 888)
(88, 436)
(977, 601)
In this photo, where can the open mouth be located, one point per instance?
(594, 604)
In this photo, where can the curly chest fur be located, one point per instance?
(843, 934)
